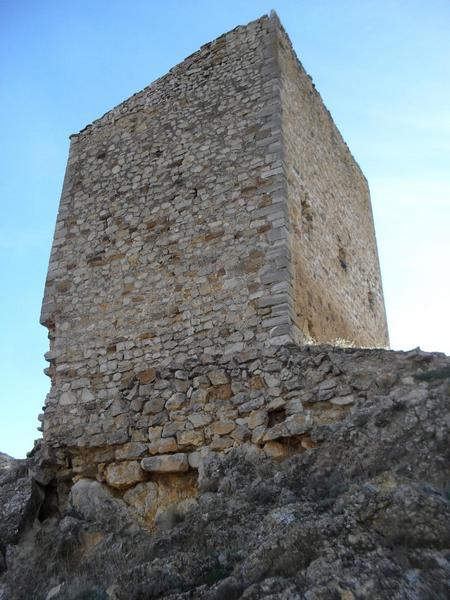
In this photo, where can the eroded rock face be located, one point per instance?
(20, 500)
(360, 509)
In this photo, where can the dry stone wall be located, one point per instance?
(181, 239)
(150, 444)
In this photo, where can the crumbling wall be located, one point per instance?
(281, 402)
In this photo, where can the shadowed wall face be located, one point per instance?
(214, 212)
(336, 278)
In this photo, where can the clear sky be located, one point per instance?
(381, 66)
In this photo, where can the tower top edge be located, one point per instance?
(273, 20)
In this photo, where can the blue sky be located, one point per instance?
(382, 67)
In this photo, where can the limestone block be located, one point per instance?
(146, 376)
(241, 433)
(172, 428)
(67, 398)
(199, 419)
(257, 418)
(124, 474)
(219, 444)
(218, 377)
(272, 379)
(220, 392)
(168, 463)
(86, 395)
(131, 450)
(181, 385)
(223, 427)
(175, 401)
(96, 502)
(200, 396)
(276, 403)
(194, 459)
(258, 434)
(190, 438)
(163, 446)
(154, 433)
(293, 425)
(343, 400)
(293, 406)
(154, 406)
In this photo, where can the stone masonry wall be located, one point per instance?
(180, 237)
(336, 278)
(164, 233)
(280, 401)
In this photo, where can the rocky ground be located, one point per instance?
(365, 514)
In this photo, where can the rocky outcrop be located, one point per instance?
(362, 512)
(21, 498)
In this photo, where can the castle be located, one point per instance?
(205, 224)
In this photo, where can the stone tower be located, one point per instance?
(215, 212)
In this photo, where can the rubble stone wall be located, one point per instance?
(168, 225)
(283, 401)
(178, 238)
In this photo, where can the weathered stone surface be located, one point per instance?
(368, 475)
(343, 400)
(168, 463)
(42, 463)
(176, 401)
(200, 247)
(221, 443)
(131, 450)
(122, 475)
(153, 406)
(194, 234)
(95, 502)
(257, 418)
(223, 427)
(190, 438)
(20, 500)
(276, 450)
(218, 377)
(199, 419)
(292, 426)
(143, 498)
(163, 445)
(147, 376)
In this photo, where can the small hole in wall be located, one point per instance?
(49, 506)
(101, 155)
(276, 416)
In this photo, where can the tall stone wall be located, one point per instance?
(164, 230)
(336, 279)
(203, 217)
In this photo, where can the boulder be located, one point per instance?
(95, 502)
